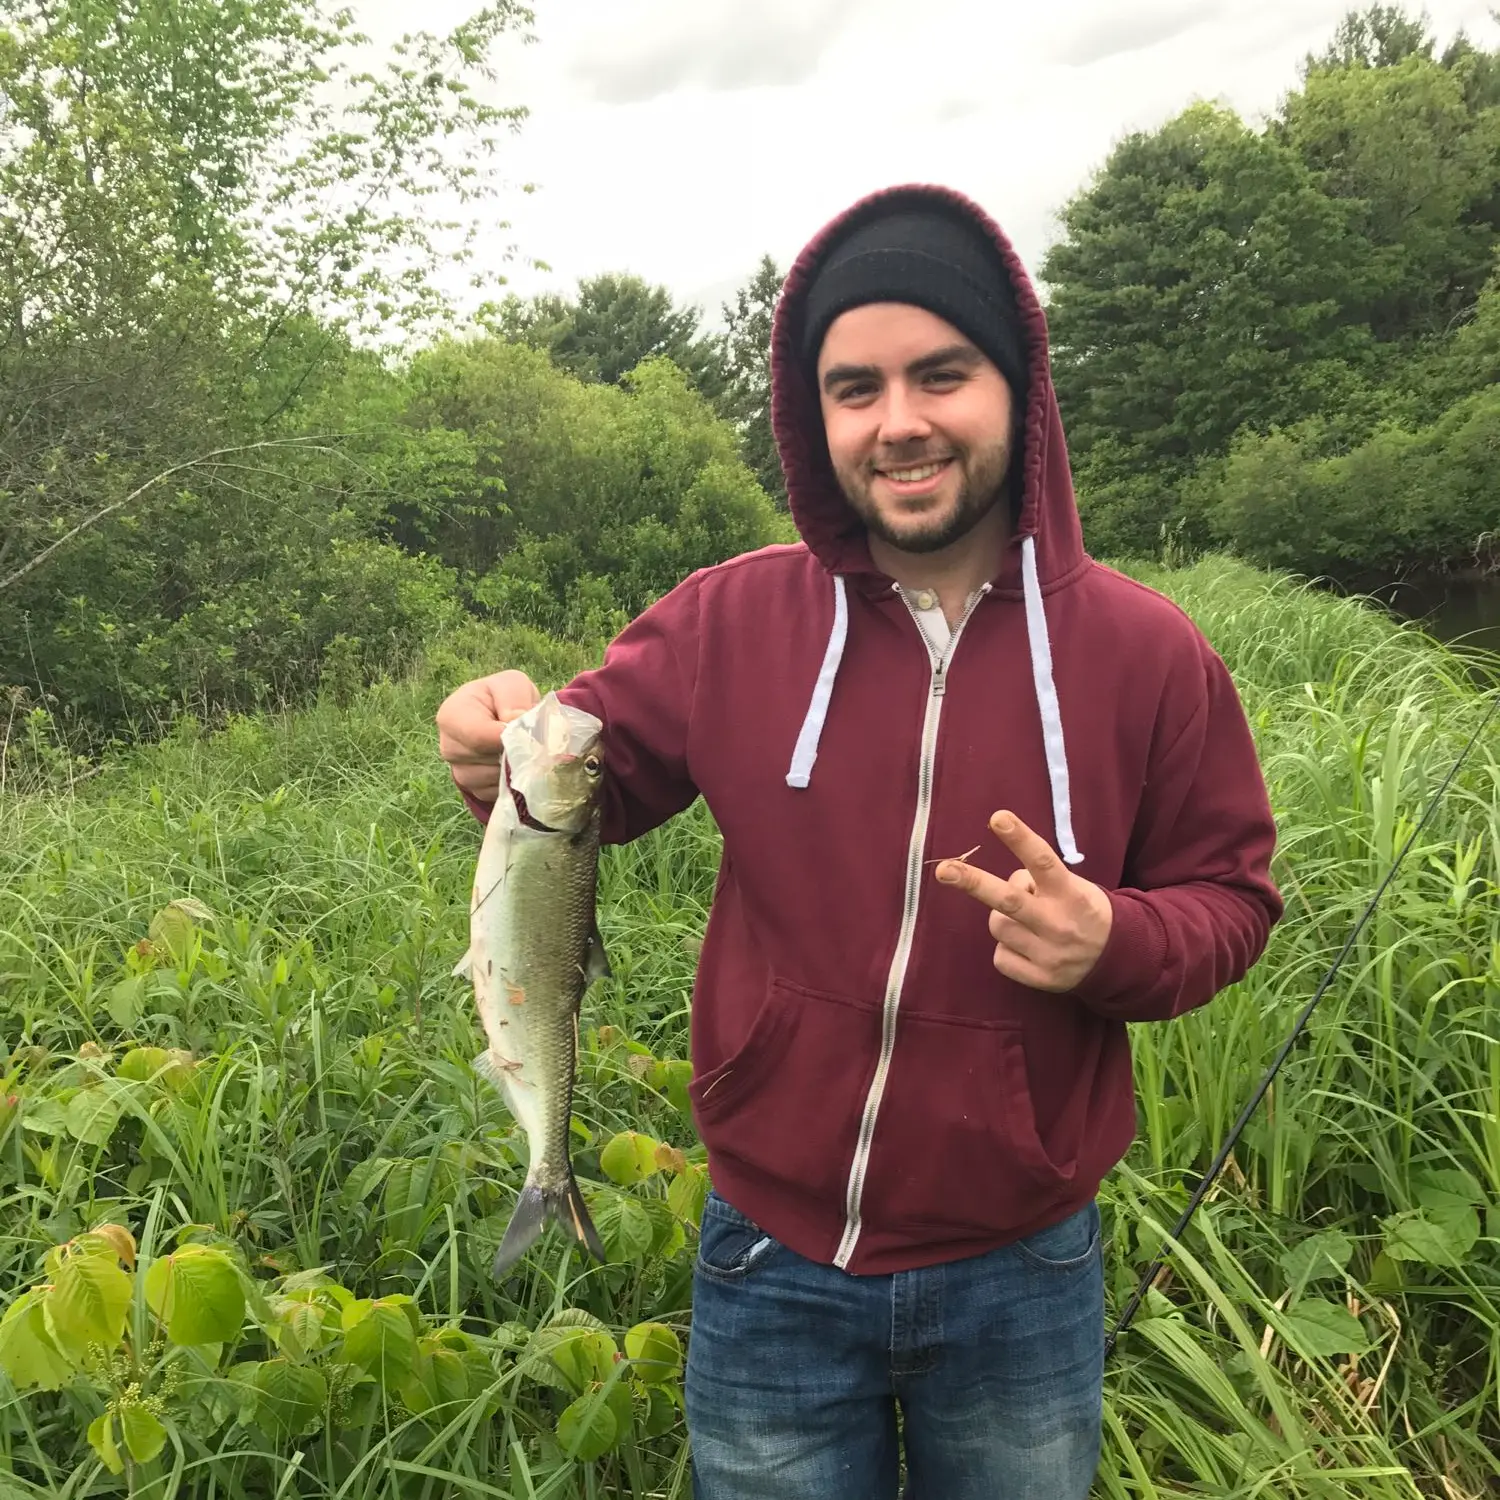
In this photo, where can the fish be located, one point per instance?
(534, 949)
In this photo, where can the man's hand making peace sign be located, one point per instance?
(1049, 925)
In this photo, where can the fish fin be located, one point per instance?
(464, 968)
(487, 1067)
(535, 1208)
(596, 965)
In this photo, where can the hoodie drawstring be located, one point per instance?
(800, 772)
(817, 711)
(1046, 698)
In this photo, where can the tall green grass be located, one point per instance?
(1330, 1325)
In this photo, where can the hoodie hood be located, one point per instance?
(824, 518)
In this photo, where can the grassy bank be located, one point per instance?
(1330, 1328)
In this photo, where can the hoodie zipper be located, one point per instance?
(896, 976)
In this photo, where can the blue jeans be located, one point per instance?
(796, 1370)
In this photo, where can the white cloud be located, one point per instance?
(681, 139)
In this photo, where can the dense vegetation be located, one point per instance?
(1287, 340)
(265, 498)
(276, 1070)
(247, 448)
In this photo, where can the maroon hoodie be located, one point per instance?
(871, 1091)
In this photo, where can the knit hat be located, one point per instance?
(930, 259)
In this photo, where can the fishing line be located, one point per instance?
(1209, 1177)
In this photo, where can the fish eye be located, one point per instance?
(591, 764)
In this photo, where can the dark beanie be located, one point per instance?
(931, 259)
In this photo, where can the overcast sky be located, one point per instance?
(681, 139)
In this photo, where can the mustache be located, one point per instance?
(909, 460)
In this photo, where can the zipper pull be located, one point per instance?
(938, 687)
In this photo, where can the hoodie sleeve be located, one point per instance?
(643, 694)
(1196, 903)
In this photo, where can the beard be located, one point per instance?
(982, 476)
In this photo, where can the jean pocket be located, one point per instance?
(731, 1246)
(1068, 1245)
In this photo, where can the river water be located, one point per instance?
(1463, 611)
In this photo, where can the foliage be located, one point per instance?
(614, 324)
(230, 1024)
(748, 355)
(202, 207)
(610, 495)
(1402, 494)
(1323, 276)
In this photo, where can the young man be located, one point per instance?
(911, 1069)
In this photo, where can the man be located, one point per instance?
(911, 1068)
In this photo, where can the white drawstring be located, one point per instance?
(1046, 697)
(817, 711)
(800, 772)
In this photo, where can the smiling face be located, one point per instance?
(918, 422)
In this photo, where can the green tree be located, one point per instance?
(202, 207)
(748, 358)
(589, 500)
(614, 323)
(1379, 37)
(1203, 285)
(1401, 145)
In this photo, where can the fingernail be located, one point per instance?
(1003, 823)
(947, 874)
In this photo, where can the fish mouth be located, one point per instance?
(524, 813)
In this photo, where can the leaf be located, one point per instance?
(380, 1340)
(585, 1356)
(535, 1362)
(667, 1234)
(1435, 1237)
(44, 1116)
(301, 1326)
(624, 1226)
(93, 1114)
(144, 1435)
(120, 1240)
(1447, 1190)
(670, 1159)
(88, 1302)
(289, 1398)
(1317, 1258)
(1323, 1329)
(141, 1064)
(655, 1352)
(687, 1194)
(176, 924)
(629, 1157)
(28, 1352)
(661, 1413)
(196, 1292)
(101, 1435)
(124, 1003)
(587, 1429)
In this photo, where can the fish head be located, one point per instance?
(554, 761)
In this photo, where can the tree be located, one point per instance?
(1420, 168)
(748, 358)
(204, 207)
(590, 500)
(1379, 37)
(1205, 284)
(614, 323)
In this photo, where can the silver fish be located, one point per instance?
(534, 948)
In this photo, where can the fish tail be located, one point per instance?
(535, 1208)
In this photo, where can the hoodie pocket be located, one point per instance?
(787, 1103)
(957, 1148)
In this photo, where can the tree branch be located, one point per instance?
(135, 494)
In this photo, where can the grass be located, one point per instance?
(1330, 1325)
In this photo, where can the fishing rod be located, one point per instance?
(1210, 1176)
